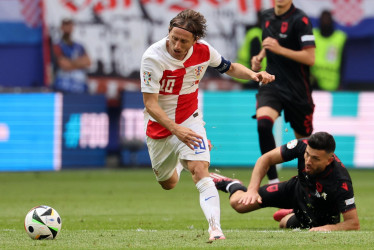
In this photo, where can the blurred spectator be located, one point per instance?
(72, 62)
(330, 44)
(250, 47)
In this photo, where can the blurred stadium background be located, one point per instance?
(41, 130)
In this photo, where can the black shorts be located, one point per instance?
(281, 195)
(300, 115)
(289, 195)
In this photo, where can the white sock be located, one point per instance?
(209, 202)
(273, 181)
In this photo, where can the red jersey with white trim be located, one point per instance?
(176, 81)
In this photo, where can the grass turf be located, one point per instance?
(115, 209)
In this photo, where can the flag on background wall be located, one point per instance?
(355, 17)
(20, 21)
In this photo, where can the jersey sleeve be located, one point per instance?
(150, 74)
(306, 37)
(345, 196)
(217, 61)
(293, 149)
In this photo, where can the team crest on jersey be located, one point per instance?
(147, 77)
(198, 71)
(292, 144)
(284, 27)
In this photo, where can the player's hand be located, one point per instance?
(263, 77)
(319, 229)
(188, 136)
(250, 197)
(256, 63)
(271, 44)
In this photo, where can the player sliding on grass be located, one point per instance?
(171, 70)
(314, 198)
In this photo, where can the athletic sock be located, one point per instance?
(267, 141)
(209, 202)
(235, 186)
(273, 181)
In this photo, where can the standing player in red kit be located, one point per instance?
(171, 70)
(288, 44)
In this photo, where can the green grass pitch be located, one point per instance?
(117, 209)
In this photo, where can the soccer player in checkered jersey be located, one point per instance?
(171, 70)
(288, 44)
(314, 199)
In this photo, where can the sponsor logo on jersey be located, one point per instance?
(345, 186)
(147, 77)
(324, 195)
(319, 195)
(292, 144)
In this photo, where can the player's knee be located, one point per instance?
(198, 170)
(168, 186)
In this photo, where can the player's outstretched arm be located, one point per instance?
(238, 70)
(350, 222)
(186, 135)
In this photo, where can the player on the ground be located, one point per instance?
(316, 197)
(171, 70)
(288, 44)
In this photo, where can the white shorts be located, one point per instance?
(167, 153)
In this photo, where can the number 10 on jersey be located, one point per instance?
(167, 85)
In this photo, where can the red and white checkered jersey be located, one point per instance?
(176, 81)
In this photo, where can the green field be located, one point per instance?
(116, 209)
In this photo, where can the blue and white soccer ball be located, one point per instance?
(43, 222)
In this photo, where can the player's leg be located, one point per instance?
(173, 180)
(290, 221)
(265, 121)
(300, 118)
(197, 162)
(209, 197)
(236, 190)
(165, 161)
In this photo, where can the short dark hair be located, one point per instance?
(322, 141)
(191, 21)
(67, 21)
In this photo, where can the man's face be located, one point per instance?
(283, 3)
(316, 160)
(180, 41)
(67, 28)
